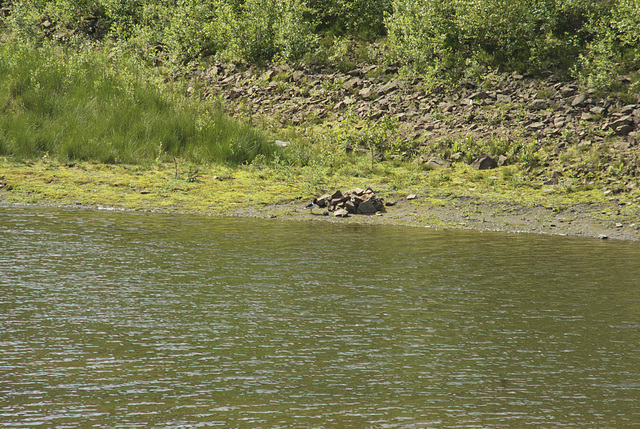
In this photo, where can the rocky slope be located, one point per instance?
(586, 133)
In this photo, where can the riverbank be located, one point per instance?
(488, 203)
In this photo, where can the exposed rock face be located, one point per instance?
(353, 201)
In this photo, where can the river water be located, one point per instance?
(144, 320)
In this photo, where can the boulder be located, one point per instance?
(484, 162)
(367, 207)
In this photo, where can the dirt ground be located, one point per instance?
(588, 221)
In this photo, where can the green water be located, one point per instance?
(133, 320)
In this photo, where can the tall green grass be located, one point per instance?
(85, 106)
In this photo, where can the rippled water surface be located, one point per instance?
(136, 320)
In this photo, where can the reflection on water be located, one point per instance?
(133, 320)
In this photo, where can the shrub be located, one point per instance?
(436, 35)
(359, 17)
(251, 30)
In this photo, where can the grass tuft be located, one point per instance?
(88, 108)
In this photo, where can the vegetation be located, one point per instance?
(591, 39)
(84, 106)
(113, 81)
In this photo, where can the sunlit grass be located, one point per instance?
(86, 107)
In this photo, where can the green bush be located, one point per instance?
(177, 31)
(435, 36)
(594, 39)
(360, 17)
(615, 47)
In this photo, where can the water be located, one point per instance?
(132, 320)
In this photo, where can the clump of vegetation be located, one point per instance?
(86, 106)
(591, 39)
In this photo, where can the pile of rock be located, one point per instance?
(353, 201)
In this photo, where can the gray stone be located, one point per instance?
(484, 162)
(341, 213)
(436, 163)
(367, 207)
(623, 125)
(481, 95)
(352, 83)
(536, 126)
(323, 200)
(389, 86)
(365, 92)
(623, 130)
(538, 104)
(579, 100)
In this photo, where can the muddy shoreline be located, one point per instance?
(586, 220)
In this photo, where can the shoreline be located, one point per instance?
(246, 194)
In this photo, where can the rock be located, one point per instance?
(352, 83)
(341, 213)
(389, 86)
(412, 197)
(323, 200)
(365, 92)
(568, 90)
(367, 207)
(484, 162)
(578, 100)
(436, 163)
(536, 126)
(621, 126)
(628, 109)
(538, 104)
(479, 95)
(623, 130)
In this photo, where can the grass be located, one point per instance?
(88, 107)
(85, 129)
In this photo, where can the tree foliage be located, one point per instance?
(594, 39)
